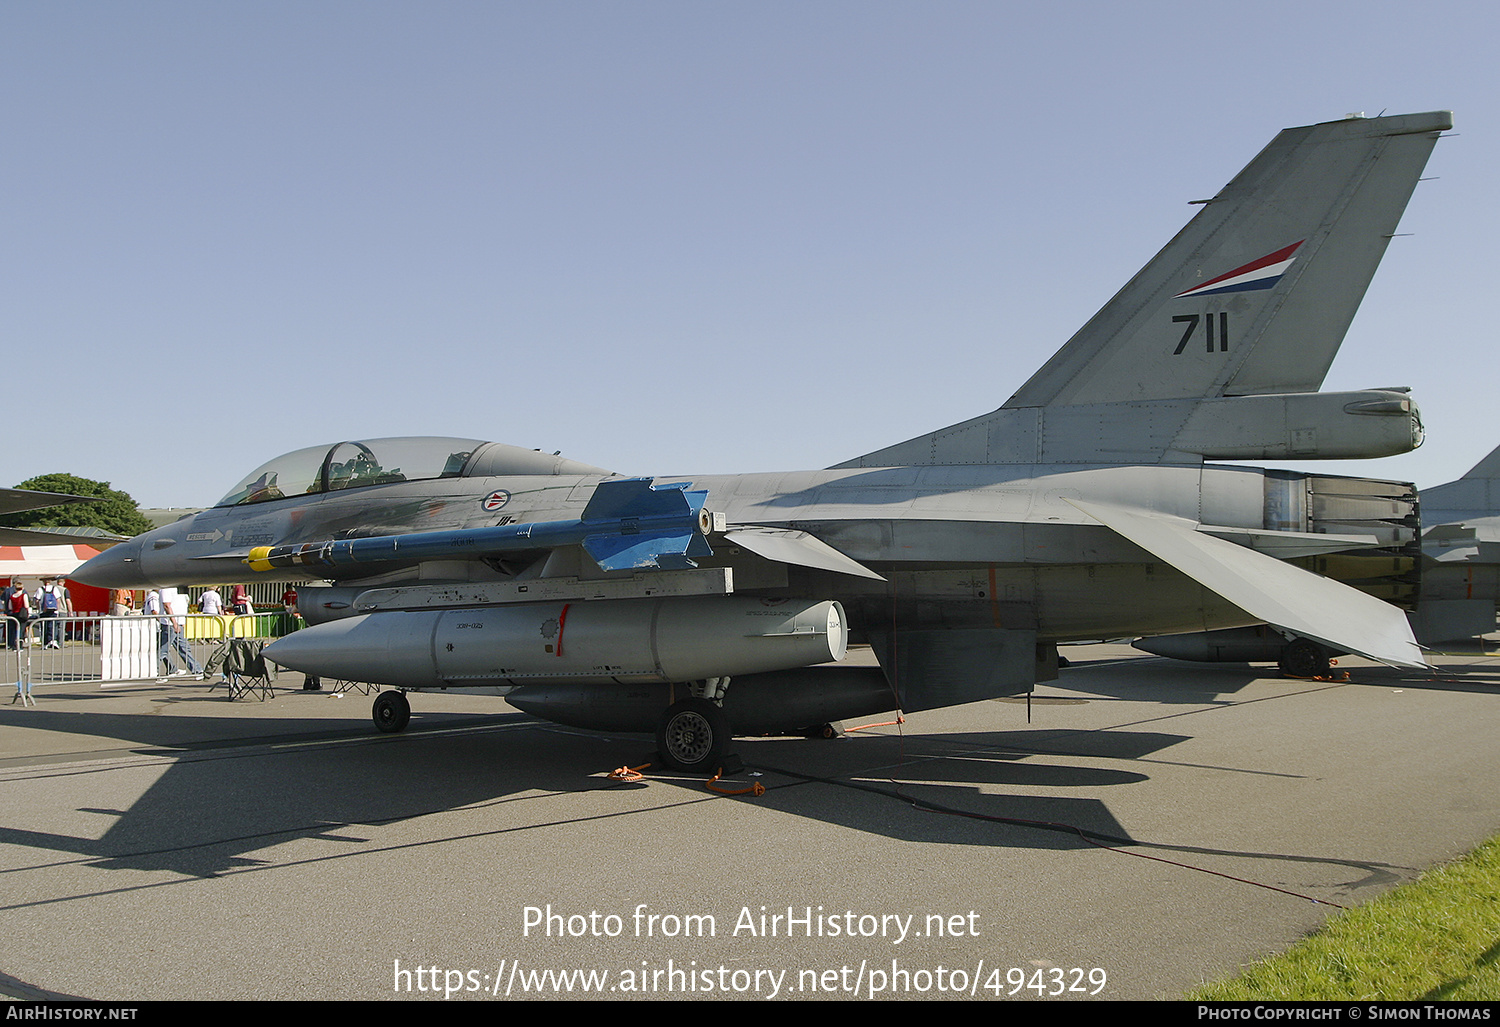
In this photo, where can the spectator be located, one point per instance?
(169, 607)
(17, 614)
(52, 603)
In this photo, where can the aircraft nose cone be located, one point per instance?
(117, 567)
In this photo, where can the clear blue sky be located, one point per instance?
(665, 237)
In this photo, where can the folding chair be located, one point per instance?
(248, 673)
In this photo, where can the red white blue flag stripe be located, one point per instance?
(1258, 274)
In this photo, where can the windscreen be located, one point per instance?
(347, 465)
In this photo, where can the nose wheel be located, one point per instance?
(693, 735)
(391, 712)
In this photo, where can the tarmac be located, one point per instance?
(1155, 825)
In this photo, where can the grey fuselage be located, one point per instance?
(959, 546)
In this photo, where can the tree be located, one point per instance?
(118, 513)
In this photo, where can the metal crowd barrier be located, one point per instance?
(82, 648)
(12, 664)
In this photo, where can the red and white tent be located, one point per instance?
(43, 561)
(33, 563)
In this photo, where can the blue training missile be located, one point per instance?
(629, 524)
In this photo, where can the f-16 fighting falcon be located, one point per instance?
(1085, 507)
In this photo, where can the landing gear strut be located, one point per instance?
(391, 711)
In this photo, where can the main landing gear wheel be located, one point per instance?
(391, 712)
(1304, 659)
(693, 735)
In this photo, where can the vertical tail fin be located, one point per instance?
(1461, 556)
(1251, 298)
(1476, 495)
(1256, 293)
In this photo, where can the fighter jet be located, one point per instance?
(21, 500)
(1461, 556)
(1084, 507)
(1448, 581)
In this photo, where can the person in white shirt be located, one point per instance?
(169, 607)
(51, 603)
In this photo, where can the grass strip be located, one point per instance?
(1436, 938)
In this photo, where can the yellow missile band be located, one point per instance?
(259, 558)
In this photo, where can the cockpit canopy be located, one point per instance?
(347, 465)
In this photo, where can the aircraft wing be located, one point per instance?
(19, 500)
(57, 537)
(1283, 596)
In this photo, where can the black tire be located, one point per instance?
(391, 712)
(693, 735)
(1304, 658)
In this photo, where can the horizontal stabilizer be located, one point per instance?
(1287, 597)
(799, 548)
